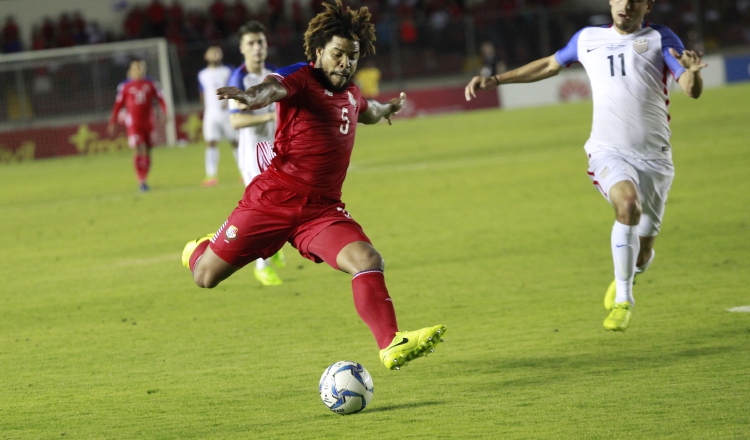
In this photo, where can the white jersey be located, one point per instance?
(629, 77)
(210, 79)
(249, 155)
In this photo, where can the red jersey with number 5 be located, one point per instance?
(315, 129)
(137, 96)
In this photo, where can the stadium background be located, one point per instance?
(427, 47)
(487, 221)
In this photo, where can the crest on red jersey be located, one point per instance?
(351, 99)
(231, 232)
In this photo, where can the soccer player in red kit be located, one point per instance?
(297, 198)
(137, 95)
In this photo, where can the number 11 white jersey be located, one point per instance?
(630, 77)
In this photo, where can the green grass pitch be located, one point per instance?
(488, 224)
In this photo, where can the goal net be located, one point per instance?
(49, 97)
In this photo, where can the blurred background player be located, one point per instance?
(137, 94)
(492, 64)
(368, 79)
(216, 125)
(256, 127)
(629, 152)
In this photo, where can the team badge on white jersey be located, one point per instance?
(640, 45)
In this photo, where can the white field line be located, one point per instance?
(146, 261)
(745, 309)
(109, 198)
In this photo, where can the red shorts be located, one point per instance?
(140, 136)
(271, 214)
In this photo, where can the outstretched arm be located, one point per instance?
(690, 80)
(534, 71)
(377, 111)
(255, 97)
(242, 120)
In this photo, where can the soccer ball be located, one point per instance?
(346, 387)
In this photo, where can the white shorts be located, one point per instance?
(254, 160)
(652, 178)
(216, 128)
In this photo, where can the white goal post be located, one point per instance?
(55, 87)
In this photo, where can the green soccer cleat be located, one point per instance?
(619, 318)
(190, 247)
(611, 294)
(609, 297)
(278, 259)
(407, 346)
(267, 276)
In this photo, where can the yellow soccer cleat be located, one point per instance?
(407, 346)
(609, 297)
(267, 276)
(278, 259)
(619, 318)
(190, 247)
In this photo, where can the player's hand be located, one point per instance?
(110, 129)
(690, 59)
(232, 93)
(396, 104)
(479, 83)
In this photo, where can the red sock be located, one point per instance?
(146, 166)
(142, 165)
(137, 166)
(197, 253)
(374, 305)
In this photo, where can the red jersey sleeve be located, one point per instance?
(363, 103)
(119, 102)
(292, 78)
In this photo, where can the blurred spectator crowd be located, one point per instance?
(415, 38)
(718, 23)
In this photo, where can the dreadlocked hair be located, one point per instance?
(340, 21)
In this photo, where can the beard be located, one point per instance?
(323, 78)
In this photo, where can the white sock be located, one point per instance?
(261, 264)
(212, 162)
(625, 248)
(641, 269)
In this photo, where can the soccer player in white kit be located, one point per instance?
(216, 124)
(256, 127)
(630, 64)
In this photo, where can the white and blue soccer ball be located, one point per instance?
(346, 387)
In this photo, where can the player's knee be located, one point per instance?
(375, 260)
(204, 279)
(369, 259)
(629, 210)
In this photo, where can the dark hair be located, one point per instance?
(251, 27)
(340, 21)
